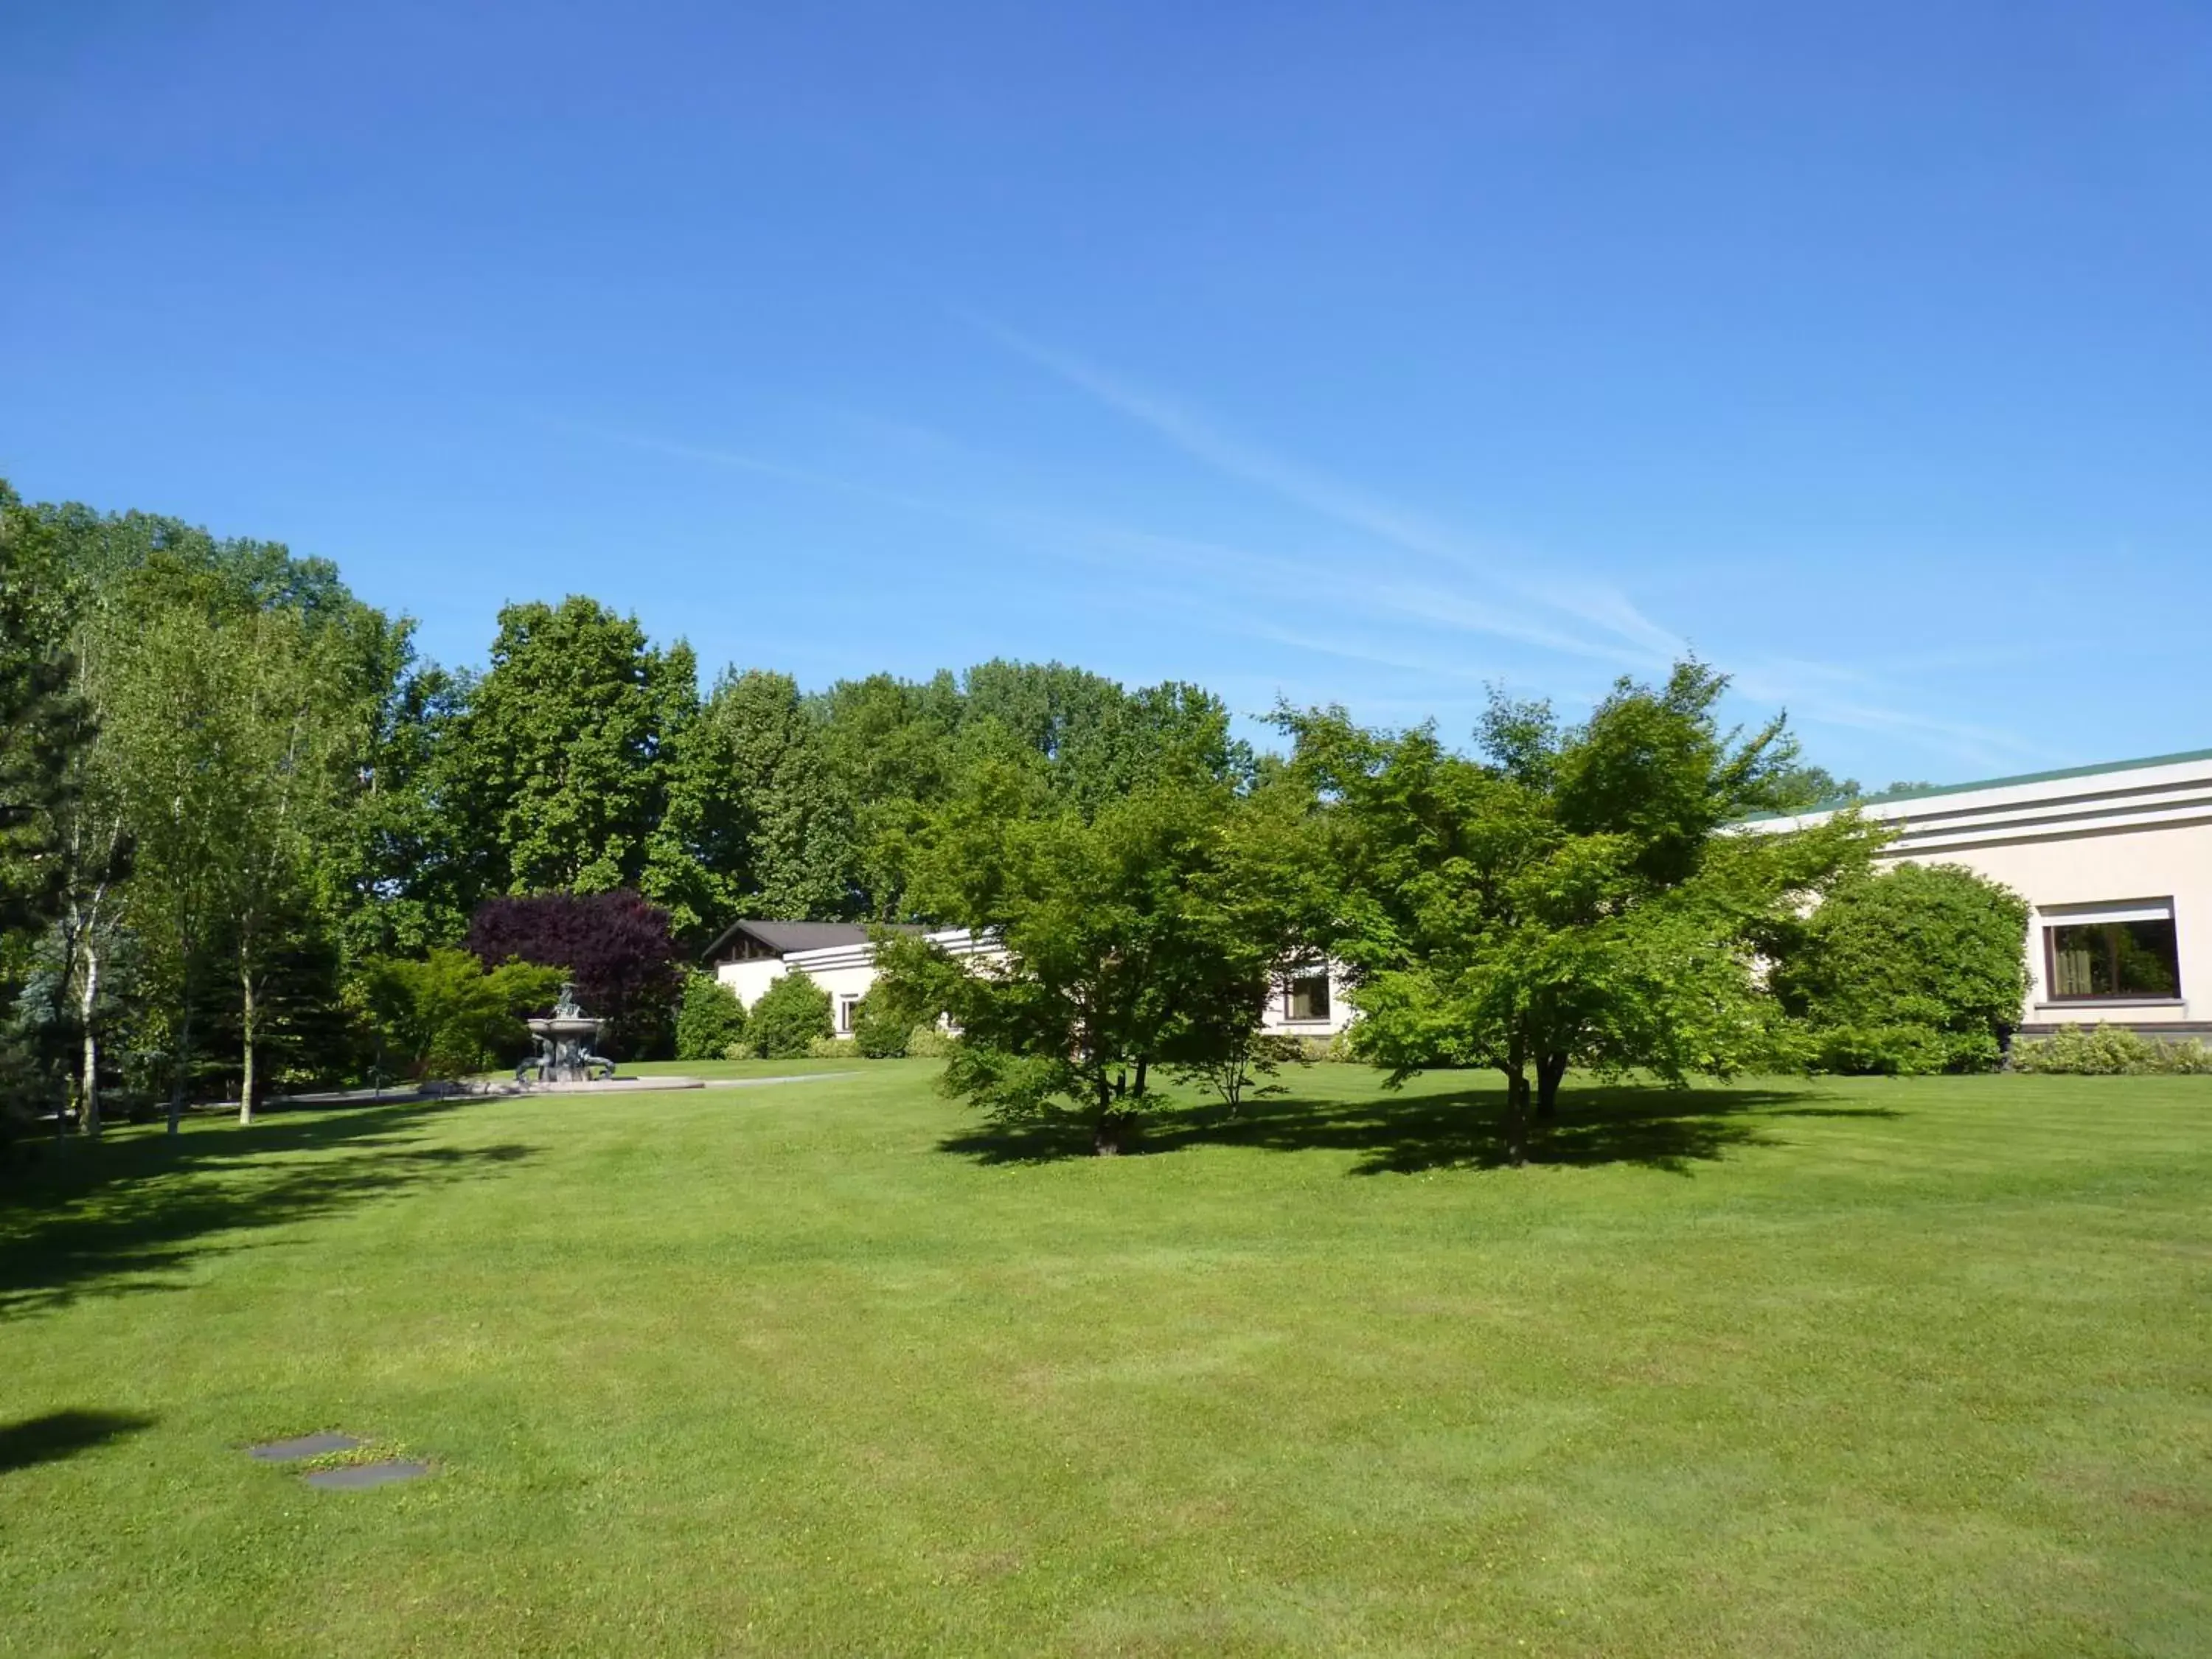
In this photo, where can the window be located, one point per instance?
(2112, 952)
(1305, 997)
(848, 1011)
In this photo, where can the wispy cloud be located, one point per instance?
(1415, 582)
(1591, 603)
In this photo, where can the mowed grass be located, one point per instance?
(1864, 1367)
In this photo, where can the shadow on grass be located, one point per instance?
(1669, 1129)
(62, 1434)
(128, 1214)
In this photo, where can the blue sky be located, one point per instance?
(1363, 353)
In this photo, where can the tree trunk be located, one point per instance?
(245, 1078)
(184, 1062)
(90, 1087)
(1551, 1070)
(1105, 1140)
(1517, 1101)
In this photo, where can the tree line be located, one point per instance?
(246, 831)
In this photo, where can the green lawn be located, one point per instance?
(1879, 1367)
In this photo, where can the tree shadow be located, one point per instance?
(127, 1214)
(1654, 1128)
(62, 1434)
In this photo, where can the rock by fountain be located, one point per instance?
(564, 1045)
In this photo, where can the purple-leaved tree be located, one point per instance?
(615, 946)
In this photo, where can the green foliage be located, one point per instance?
(709, 1019)
(1246, 1066)
(43, 721)
(2109, 1051)
(1140, 935)
(788, 1017)
(831, 1047)
(880, 1028)
(1569, 898)
(554, 776)
(1916, 970)
(757, 799)
(445, 1016)
(928, 1040)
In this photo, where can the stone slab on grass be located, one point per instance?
(304, 1445)
(355, 1477)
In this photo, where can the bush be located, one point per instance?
(445, 1016)
(2109, 1051)
(1916, 969)
(927, 1041)
(831, 1047)
(615, 946)
(791, 1013)
(880, 1032)
(710, 1019)
(740, 1051)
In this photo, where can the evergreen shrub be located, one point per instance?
(790, 1015)
(880, 1032)
(709, 1019)
(1916, 970)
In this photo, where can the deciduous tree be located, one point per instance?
(1571, 897)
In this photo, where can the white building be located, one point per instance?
(2115, 861)
(749, 956)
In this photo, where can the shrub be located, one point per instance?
(791, 1013)
(829, 1048)
(446, 1017)
(880, 1032)
(927, 1041)
(710, 1019)
(1916, 970)
(2108, 1051)
(615, 946)
(740, 1051)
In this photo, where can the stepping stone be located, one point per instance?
(357, 1476)
(305, 1445)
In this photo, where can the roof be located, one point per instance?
(784, 937)
(2062, 772)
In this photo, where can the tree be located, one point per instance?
(789, 1016)
(44, 722)
(187, 649)
(555, 771)
(285, 739)
(615, 946)
(1573, 897)
(761, 807)
(1129, 941)
(1918, 969)
(44, 726)
(891, 749)
(169, 720)
(710, 1020)
(446, 1016)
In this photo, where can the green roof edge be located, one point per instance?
(1840, 802)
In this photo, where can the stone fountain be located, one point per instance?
(564, 1045)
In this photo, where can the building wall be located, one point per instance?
(2115, 839)
(847, 972)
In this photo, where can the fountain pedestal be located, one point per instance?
(564, 1045)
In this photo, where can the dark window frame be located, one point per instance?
(1307, 976)
(2053, 926)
